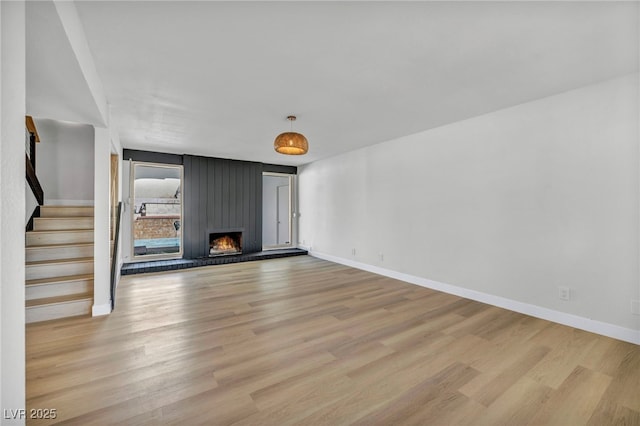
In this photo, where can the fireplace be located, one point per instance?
(225, 243)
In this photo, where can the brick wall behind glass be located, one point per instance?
(152, 227)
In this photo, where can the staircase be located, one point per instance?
(59, 263)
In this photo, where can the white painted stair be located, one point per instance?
(70, 236)
(58, 268)
(59, 251)
(62, 223)
(59, 263)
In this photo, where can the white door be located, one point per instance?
(283, 215)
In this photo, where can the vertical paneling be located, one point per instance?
(211, 179)
(233, 192)
(187, 216)
(257, 204)
(217, 195)
(246, 212)
(202, 205)
(224, 206)
(221, 194)
(242, 198)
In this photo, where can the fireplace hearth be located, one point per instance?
(225, 243)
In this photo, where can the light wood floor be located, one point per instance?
(304, 341)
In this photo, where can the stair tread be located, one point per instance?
(57, 261)
(49, 211)
(50, 206)
(43, 231)
(60, 246)
(54, 280)
(62, 217)
(65, 236)
(58, 299)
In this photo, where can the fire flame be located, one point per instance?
(224, 243)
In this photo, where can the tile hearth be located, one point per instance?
(175, 264)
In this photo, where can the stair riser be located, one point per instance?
(59, 224)
(59, 310)
(59, 211)
(53, 237)
(58, 289)
(34, 272)
(33, 254)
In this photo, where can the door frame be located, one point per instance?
(132, 194)
(114, 193)
(290, 181)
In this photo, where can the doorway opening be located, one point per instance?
(157, 210)
(276, 210)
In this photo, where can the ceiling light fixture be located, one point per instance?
(291, 143)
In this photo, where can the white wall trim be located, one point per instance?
(598, 327)
(57, 202)
(101, 218)
(99, 310)
(12, 210)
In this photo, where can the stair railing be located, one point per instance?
(30, 167)
(114, 256)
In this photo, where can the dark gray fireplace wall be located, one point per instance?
(221, 194)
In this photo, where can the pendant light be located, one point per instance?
(291, 143)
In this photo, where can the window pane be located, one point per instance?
(157, 214)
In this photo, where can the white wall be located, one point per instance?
(65, 162)
(508, 205)
(101, 217)
(12, 208)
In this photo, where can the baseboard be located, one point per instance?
(99, 310)
(593, 326)
(58, 202)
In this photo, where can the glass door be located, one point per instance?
(157, 210)
(276, 210)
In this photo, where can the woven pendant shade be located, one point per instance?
(291, 143)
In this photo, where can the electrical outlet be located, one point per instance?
(564, 293)
(353, 252)
(635, 307)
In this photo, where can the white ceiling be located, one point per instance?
(55, 85)
(219, 78)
